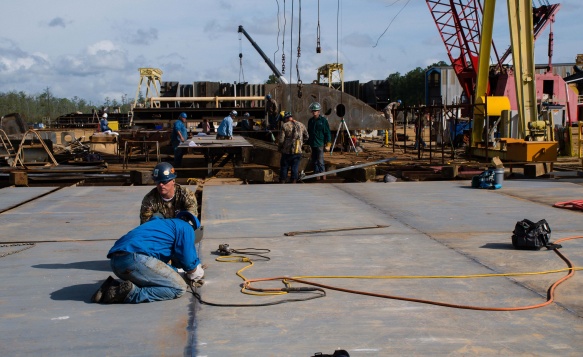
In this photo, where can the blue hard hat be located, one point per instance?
(189, 218)
(163, 172)
(268, 96)
(233, 112)
(246, 115)
(399, 101)
(183, 115)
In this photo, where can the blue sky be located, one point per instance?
(93, 49)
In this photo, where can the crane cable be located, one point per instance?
(391, 22)
(291, 39)
(299, 84)
(248, 289)
(278, 30)
(241, 58)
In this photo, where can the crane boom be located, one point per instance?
(277, 73)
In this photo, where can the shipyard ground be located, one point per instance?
(55, 239)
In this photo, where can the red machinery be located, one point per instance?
(459, 24)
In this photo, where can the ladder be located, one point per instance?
(11, 156)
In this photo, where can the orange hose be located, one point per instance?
(550, 293)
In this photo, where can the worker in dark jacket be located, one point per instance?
(141, 259)
(273, 116)
(320, 137)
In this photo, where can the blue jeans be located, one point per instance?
(178, 153)
(153, 279)
(287, 161)
(318, 159)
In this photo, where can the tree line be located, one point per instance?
(41, 108)
(409, 88)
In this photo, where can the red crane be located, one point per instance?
(459, 23)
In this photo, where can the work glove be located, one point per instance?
(195, 274)
(328, 146)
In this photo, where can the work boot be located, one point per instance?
(109, 282)
(117, 294)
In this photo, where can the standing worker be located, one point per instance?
(319, 136)
(272, 112)
(388, 111)
(206, 126)
(225, 130)
(420, 129)
(290, 141)
(141, 259)
(179, 135)
(167, 198)
(245, 125)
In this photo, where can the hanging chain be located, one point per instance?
(283, 40)
(241, 59)
(318, 48)
(299, 50)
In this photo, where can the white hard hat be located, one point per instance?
(104, 115)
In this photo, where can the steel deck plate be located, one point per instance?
(435, 228)
(13, 196)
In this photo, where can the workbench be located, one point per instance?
(214, 150)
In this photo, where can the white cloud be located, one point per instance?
(100, 47)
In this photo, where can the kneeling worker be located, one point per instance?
(140, 258)
(168, 197)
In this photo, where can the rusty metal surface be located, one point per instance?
(358, 115)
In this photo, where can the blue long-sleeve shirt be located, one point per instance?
(104, 125)
(178, 127)
(163, 239)
(226, 127)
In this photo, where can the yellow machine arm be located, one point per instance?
(522, 43)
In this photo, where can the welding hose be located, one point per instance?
(550, 293)
(256, 291)
(316, 292)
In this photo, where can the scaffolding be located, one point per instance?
(332, 75)
(153, 85)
